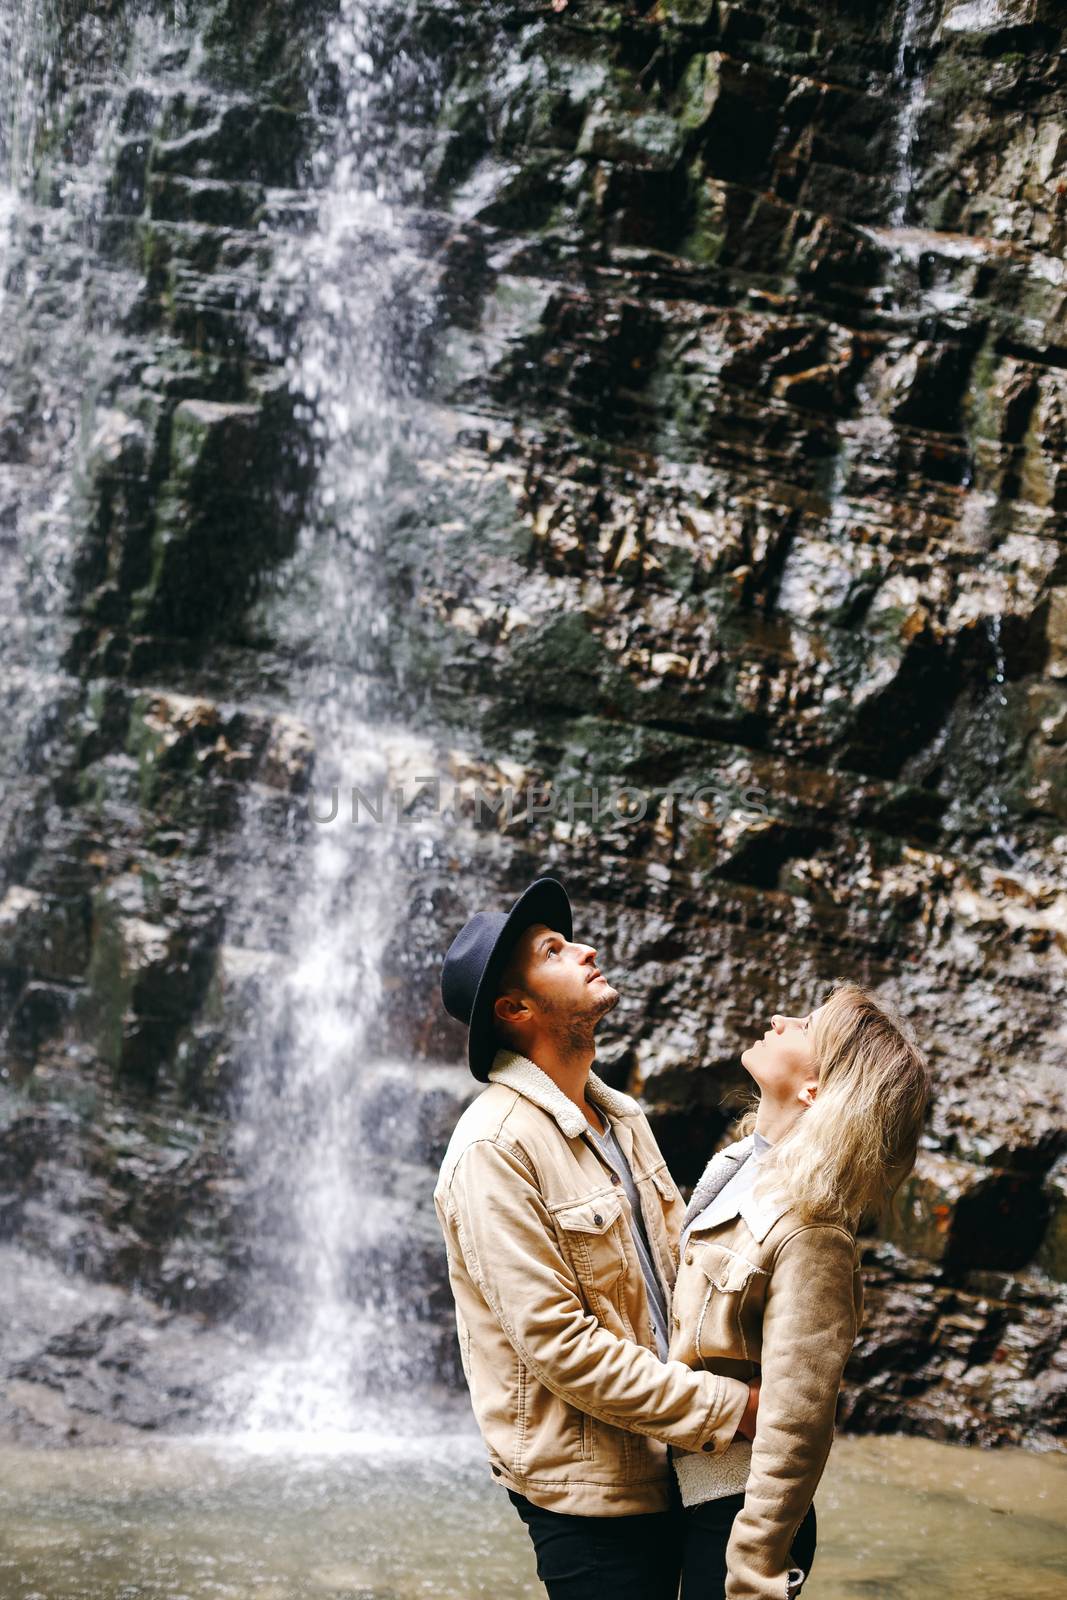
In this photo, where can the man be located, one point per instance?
(561, 1225)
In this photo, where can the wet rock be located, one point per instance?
(38, 1014)
(1057, 634)
(206, 1059)
(650, 140)
(146, 979)
(96, 1365)
(970, 1216)
(21, 925)
(954, 1360)
(221, 455)
(288, 759)
(1051, 1257)
(241, 140)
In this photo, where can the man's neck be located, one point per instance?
(570, 1073)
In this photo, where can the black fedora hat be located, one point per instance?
(478, 955)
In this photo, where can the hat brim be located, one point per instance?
(546, 900)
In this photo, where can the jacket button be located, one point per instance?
(689, 1258)
(615, 1177)
(598, 1219)
(710, 1446)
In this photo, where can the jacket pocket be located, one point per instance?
(664, 1183)
(553, 1436)
(732, 1274)
(720, 1332)
(591, 1233)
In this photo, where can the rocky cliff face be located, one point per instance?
(758, 316)
(737, 512)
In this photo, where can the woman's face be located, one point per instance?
(783, 1061)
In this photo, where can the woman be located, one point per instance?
(769, 1282)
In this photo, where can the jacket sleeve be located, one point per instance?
(505, 1234)
(809, 1327)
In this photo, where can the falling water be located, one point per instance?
(57, 310)
(21, 36)
(909, 87)
(993, 724)
(325, 1114)
(12, 100)
(30, 574)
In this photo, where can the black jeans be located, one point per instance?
(605, 1558)
(706, 1529)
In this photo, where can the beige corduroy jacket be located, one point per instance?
(759, 1291)
(575, 1406)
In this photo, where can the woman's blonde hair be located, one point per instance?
(847, 1154)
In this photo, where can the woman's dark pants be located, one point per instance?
(706, 1530)
(605, 1558)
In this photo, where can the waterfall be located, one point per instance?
(326, 1131)
(12, 102)
(53, 346)
(325, 1120)
(909, 84)
(18, 102)
(993, 742)
(30, 577)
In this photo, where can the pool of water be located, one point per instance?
(373, 1517)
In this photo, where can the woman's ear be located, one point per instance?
(809, 1091)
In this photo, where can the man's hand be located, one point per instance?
(747, 1426)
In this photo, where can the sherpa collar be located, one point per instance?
(759, 1213)
(718, 1172)
(525, 1077)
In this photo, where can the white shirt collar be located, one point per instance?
(759, 1213)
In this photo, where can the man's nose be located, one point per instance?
(588, 953)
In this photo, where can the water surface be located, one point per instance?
(374, 1517)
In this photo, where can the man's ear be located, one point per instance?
(509, 1007)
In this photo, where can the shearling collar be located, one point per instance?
(760, 1213)
(525, 1077)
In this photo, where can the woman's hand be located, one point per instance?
(747, 1426)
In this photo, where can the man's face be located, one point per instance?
(553, 984)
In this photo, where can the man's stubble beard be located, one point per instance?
(572, 1031)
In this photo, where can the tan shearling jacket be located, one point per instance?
(575, 1406)
(760, 1291)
